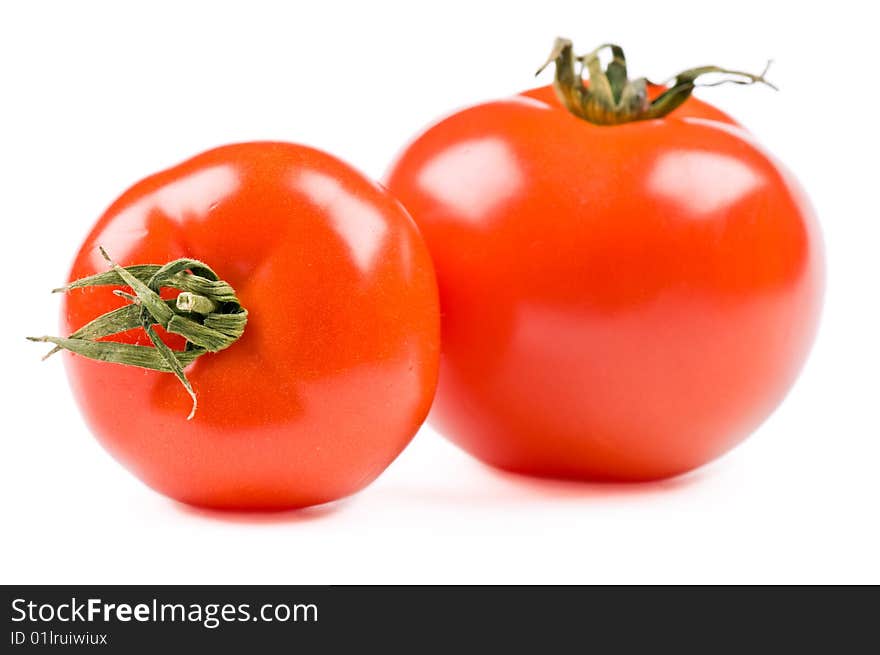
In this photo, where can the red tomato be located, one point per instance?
(692, 107)
(337, 366)
(618, 302)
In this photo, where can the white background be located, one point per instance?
(94, 96)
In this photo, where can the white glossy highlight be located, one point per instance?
(702, 182)
(359, 224)
(189, 198)
(473, 178)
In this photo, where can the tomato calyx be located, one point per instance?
(612, 98)
(207, 313)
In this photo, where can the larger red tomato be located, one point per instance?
(336, 368)
(619, 302)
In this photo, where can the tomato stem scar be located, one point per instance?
(207, 313)
(612, 98)
(195, 303)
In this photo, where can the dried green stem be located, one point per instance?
(206, 313)
(612, 98)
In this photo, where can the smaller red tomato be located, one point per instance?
(336, 367)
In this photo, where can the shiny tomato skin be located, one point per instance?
(337, 367)
(618, 303)
(693, 107)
